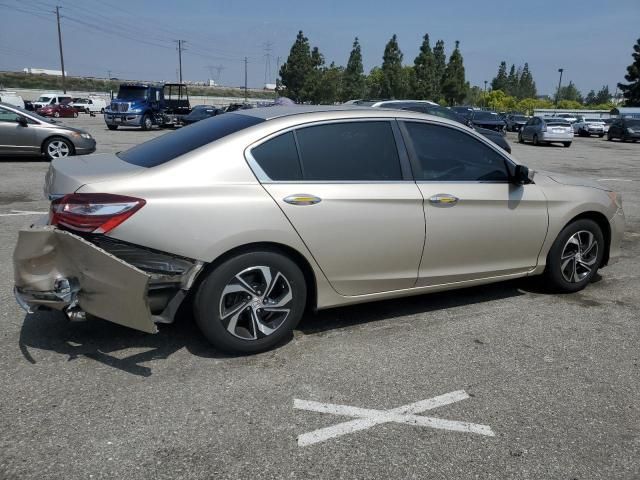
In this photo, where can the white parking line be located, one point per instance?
(614, 180)
(367, 418)
(15, 213)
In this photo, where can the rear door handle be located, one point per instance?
(302, 199)
(443, 200)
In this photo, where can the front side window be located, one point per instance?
(349, 151)
(448, 154)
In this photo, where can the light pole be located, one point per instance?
(484, 97)
(559, 84)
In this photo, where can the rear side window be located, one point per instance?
(349, 151)
(172, 145)
(450, 155)
(278, 158)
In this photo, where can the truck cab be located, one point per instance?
(145, 105)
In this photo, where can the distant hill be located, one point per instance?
(10, 80)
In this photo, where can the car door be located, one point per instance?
(348, 192)
(478, 223)
(15, 138)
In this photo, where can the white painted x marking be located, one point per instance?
(367, 418)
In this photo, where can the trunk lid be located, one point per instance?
(67, 175)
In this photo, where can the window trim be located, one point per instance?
(510, 165)
(405, 166)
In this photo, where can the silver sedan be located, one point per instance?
(27, 133)
(541, 130)
(260, 215)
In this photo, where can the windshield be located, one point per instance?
(519, 118)
(132, 93)
(44, 99)
(486, 116)
(172, 145)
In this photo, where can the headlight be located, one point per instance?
(136, 110)
(85, 135)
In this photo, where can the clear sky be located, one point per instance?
(591, 40)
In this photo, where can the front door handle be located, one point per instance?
(443, 200)
(302, 199)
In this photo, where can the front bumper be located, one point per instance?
(56, 269)
(84, 146)
(616, 224)
(126, 119)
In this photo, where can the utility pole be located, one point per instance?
(180, 48)
(245, 79)
(485, 94)
(559, 84)
(64, 87)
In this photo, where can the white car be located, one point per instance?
(585, 127)
(90, 104)
(12, 98)
(569, 117)
(50, 99)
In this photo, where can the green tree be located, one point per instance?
(353, 79)
(590, 99)
(512, 81)
(526, 85)
(454, 87)
(297, 68)
(631, 91)
(374, 83)
(313, 89)
(332, 84)
(439, 66)
(474, 96)
(603, 96)
(423, 72)
(393, 78)
(570, 93)
(499, 82)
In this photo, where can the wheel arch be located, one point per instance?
(604, 225)
(292, 253)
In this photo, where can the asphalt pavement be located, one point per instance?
(553, 380)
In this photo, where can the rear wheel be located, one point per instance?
(609, 137)
(575, 256)
(57, 148)
(56, 114)
(112, 127)
(600, 135)
(251, 302)
(535, 140)
(566, 144)
(520, 139)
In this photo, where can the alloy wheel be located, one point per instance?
(58, 149)
(255, 303)
(579, 256)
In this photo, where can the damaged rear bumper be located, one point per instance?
(112, 280)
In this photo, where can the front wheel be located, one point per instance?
(566, 144)
(535, 140)
(251, 302)
(147, 122)
(57, 148)
(575, 256)
(520, 139)
(112, 127)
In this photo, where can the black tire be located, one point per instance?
(566, 144)
(535, 140)
(600, 135)
(112, 127)
(147, 122)
(102, 110)
(609, 137)
(555, 278)
(520, 139)
(208, 303)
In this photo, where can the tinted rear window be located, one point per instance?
(633, 123)
(278, 158)
(171, 145)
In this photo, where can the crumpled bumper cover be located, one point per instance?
(56, 269)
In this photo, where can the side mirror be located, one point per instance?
(22, 121)
(522, 175)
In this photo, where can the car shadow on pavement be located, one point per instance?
(107, 343)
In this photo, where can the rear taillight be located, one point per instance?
(93, 212)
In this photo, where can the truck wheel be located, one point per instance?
(147, 122)
(112, 127)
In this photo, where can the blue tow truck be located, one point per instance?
(145, 105)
